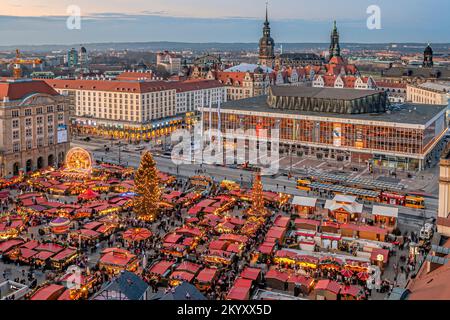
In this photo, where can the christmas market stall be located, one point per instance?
(60, 225)
(185, 272)
(136, 235)
(114, 260)
(240, 290)
(304, 207)
(276, 279)
(206, 279)
(352, 292)
(160, 271)
(47, 292)
(301, 283)
(63, 258)
(326, 290)
(344, 208)
(385, 216)
(253, 274)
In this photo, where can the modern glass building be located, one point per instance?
(341, 124)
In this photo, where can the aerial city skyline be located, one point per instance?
(137, 163)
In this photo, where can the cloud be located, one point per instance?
(158, 25)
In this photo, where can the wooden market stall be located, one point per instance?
(114, 260)
(304, 207)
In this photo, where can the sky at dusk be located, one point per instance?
(44, 21)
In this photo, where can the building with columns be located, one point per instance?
(34, 126)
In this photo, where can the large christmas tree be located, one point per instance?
(258, 204)
(146, 204)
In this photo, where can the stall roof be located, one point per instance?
(266, 248)
(307, 221)
(30, 244)
(304, 201)
(43, 255)
(250, 273)
(161, 267)
(92, 225)
(385, 211)
(240, 290)
(353, 207)
(182, 275)
(66, 253)
(276, 232)
(206, 275)
(51, 247)
(89, 233)
(275, 274)
(27, 253)
(172, 238)
(301, 280)
(65, 296)
(233, 238)
(217, 245)
(383, 252)
(189, 267)
(282, 222)
(234, 247)
(328, 285)
(47, 292)
(121, 259)
(353, 291)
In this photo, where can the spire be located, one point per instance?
(335, 49)
(266, 43)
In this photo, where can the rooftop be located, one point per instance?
(437, 86)
(321, 93)
(19, 89)
(407, 113)
(248, 67)
(111, 86)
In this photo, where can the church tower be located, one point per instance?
(335, 48)
(266, 45)
(428, 57)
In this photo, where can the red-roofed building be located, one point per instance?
(431, 282)
(344, 81)
(144, 107)
(135, 76)
(34, 120)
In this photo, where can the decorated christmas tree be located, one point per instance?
(258, 204)
(146, 182)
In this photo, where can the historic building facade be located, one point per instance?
(34, 126)
(266, 46)
(418, 74)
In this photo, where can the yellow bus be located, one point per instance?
(303, 185)
(415, 202)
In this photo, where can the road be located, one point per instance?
(280, 183)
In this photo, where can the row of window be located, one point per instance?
(29, 143)
(39, 120)
(39, 110)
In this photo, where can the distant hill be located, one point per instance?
(205, 47)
